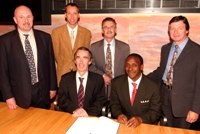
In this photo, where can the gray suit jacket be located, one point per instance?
(186, 79)
(122, 50)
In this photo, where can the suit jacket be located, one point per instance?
(94, 94)
(15, 77)
(64, 54)
(122, 50)
(186, 79)
(147, 103)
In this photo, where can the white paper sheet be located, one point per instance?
(93, 125)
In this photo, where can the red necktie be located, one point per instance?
(81, 93)
(133, 93)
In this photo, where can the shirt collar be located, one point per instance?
(137, 81)
(75, 28)
(84, 76)
(182, 44)
(111, 43)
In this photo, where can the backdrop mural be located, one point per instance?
(145, 33)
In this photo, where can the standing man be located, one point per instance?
(27, 66)
(109, 54)
(135, 99)
(81, 92)
(67, 39)
(179, 73)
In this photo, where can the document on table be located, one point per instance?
(94, 125)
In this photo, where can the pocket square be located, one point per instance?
(144, 101)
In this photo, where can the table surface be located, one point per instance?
(41, 121)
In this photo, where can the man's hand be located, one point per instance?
(122, 119)
(192, 117)
(11, 103)
(134, 122)
(52, 93)
(80, 112)
(107, 79)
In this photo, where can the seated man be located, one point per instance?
(81, 92)
(129, 107)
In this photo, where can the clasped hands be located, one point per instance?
(131, 123)
(79, 112)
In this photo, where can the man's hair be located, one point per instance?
(85, 49)
(135, 55)
(108, 19)
(180, 18)
(73, 5)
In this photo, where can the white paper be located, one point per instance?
(93, 125)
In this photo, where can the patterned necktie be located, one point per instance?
(72, 38)
(108, 68)
(170, 72)
(81, 93)
(133, 93)
(30, 58)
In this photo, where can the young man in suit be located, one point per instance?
(135, 99)
(70, 94)
(119, 51)
(67, 39)
(27, 66)
(180, 91)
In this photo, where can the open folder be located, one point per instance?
(94, 125)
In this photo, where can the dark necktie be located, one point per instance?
(81, 93)
(170, 72)
(133, 93)
(108, 68)
(30, 59)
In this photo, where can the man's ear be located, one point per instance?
(90, 62)
(142, 67)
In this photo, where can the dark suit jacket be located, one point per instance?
(147, 103)
(15, 77)
(94, 94)
(122, 50)
(186, 79)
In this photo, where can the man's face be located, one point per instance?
(178, 32)
(72, 16)
(23, 18)
(109, 29)
(133, 68)
(82, 61)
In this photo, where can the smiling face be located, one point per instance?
(109, 30)
(133, 67)
(82, 61)
(72, 15)
(178, 32)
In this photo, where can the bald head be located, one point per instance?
(23, 17)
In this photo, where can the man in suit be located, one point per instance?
(27, 66)
(135, 99)
(119, 52)
(180, 95)
(92, 83)
(67, 39)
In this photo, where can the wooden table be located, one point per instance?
(41, 121)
